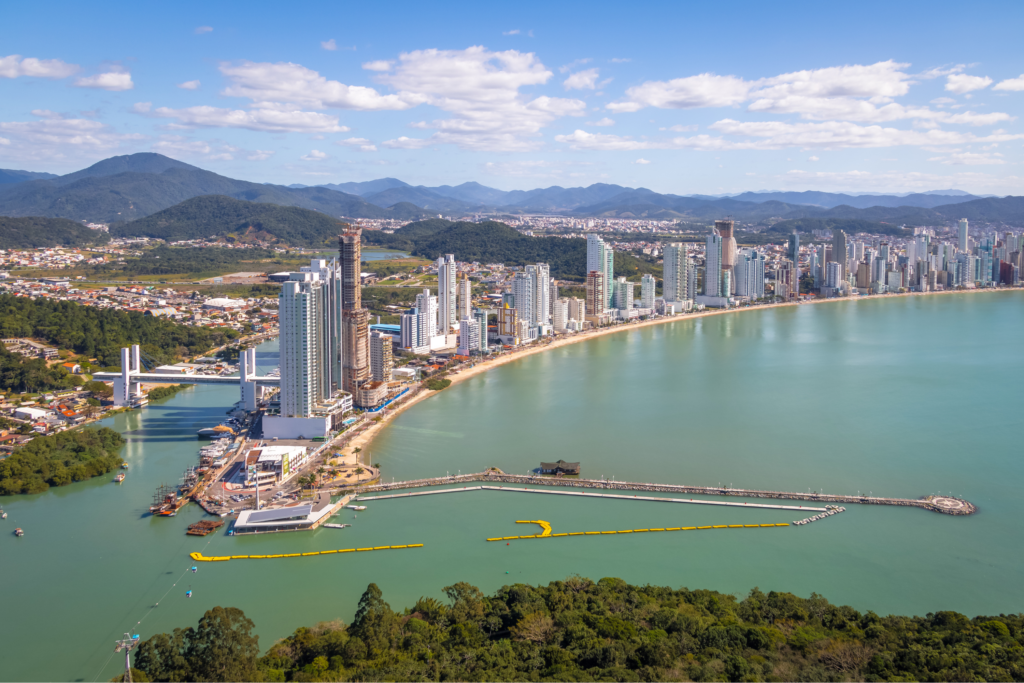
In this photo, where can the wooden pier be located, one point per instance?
(945, 505)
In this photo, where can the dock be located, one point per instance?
(947, 505)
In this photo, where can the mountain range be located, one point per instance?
(128, 188)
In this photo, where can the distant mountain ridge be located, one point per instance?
(9, 176)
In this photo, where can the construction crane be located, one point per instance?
(126, 644)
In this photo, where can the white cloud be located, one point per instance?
(407, 143)
(378, 65)
(291, 86)
(619, 60)
(314, 155)
(363, 144)
(260, 155)
(113, 81)
(813, 159)
(329, 45)
(941, 101)
(14, 66)
(970, 159)
(4, 141)
(679, 128)
(566, 68)
(704, 90)
(202, 29)
(513, 32)
(581, 139)
(582, 80)
(941, 71)
(268, 120)
(481, 90)
(961, 83)
(642, 161)
(59, 139)
(602, 122)
(47, 114)
(189, 85)
(1014, 84)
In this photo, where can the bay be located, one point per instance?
(901, 397)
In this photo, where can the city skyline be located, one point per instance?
(529, 103)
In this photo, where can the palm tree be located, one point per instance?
(320, 471)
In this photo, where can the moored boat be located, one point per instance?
(119, 478)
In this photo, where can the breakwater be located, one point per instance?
(944, 504)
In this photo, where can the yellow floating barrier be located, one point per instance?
(347, 550)
(688, 528)
(705, 527)
(591, 533)
(609, 532)
(199, 557)
(496, 539)
(735, 526)
(383, 547)
(547, 530)
(638, 531)
(655, 529)
(627, 531)
(749, 526)
(575, 533)
(308, 554)
(675, 528)
(720, 526)
(363, 550)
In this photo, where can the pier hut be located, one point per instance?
(560, 468)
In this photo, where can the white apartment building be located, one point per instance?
(446, 295)
(381, 360)
(469, 337)
(648, 286)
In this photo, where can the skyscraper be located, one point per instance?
(355, 319)
(381, 359)
(541, 275)
(623, 294)
(750, 274)
(523, 288)
(963, 235)
(713, 266)
(839, 254)
(469, 336)
(677, 270)
(465, 297)
(426, 303)
(596, 297)
(647, 289)
(446, 311)
(726, 229)
(481, 315)
(561, 315)
(601, 258)
(794, 256)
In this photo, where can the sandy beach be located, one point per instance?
(362, 440)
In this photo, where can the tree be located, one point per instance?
(223, 647)
(375, 623)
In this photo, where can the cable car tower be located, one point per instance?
(127, 643)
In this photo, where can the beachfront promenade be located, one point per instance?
(943, 504)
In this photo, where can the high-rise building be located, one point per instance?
(481, 315)
(541, 275)
(726, 229)
(750, 273)
(833, 274)
(465, 297)
(648, 287)
(469, 337)
(446, 309)
(414, 337)
(962, 234)
(713, 266)
(794, 255)
(523, 288)
(596, 299)
(601, 258)
(381, 361)
(577, 309)
(839, 254)
(623, 294)
(677, 271)
(552, 295)
(355, 319)
(508, 323)
(560, 319)
(427, 305)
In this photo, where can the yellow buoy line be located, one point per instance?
(543, 525)
(547, 530)
(199, 557)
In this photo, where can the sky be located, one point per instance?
(677, 97)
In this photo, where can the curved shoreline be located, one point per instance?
(366, 437)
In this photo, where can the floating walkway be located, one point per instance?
(547, 530)
(945, 504)
(199, 557)
(722, 503)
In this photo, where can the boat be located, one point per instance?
(119, 478)
(356, 507)
(19, 532)
(3, 514)
(204, 527)
(124, 466)
(219, 430)
(336, 526)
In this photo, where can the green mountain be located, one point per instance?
(849, 225)
(9, 176)
(493, 242)
(132, 187)
(219, 216)
(35, 232)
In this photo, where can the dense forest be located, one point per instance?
(18, 373)
(101, 332)
(493, 242)
(34, 232)
(849, 225)
(60, 459)
(579, 630)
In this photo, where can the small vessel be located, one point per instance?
(3, 514)
(356, 507)
(219, 430)
(188, 593)
(119, 478)
(204, 527)
(124, 466)
(336, 526)
(19, 532)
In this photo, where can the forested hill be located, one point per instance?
(849, 225)
(34, 232)
(494, 242)
(218, 216)
(579, 630)
(101, 332)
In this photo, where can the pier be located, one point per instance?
(943, 504)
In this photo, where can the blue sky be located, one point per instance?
(677, 97)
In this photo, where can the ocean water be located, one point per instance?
(899, 397)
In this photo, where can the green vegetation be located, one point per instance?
(34, 232)
(493, 242)
(60, 459)
(437, 384)
(578, 630)
(167, 391)
(18, 373)
(849, 225)
(194, 262)
(101, 333)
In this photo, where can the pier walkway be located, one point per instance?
(943, 504)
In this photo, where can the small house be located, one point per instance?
(560, 468)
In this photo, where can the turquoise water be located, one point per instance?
(900, 397)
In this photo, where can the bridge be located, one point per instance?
(128, 383)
